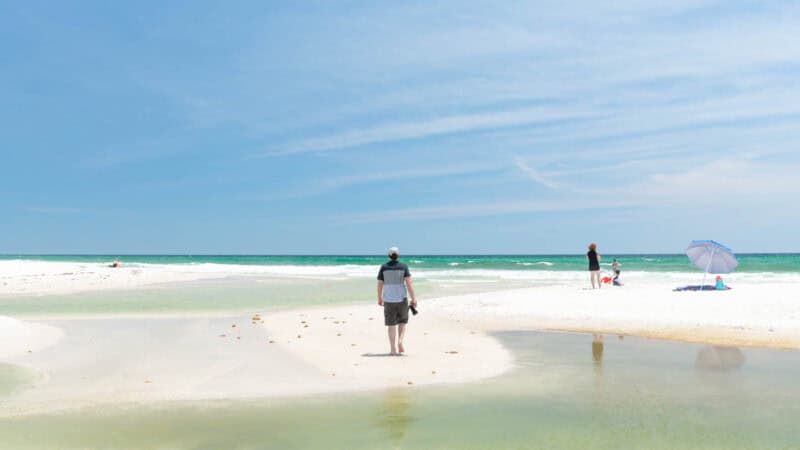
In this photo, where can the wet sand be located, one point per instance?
(561, 394)
(294, 353)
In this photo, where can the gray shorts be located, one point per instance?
(395, 313)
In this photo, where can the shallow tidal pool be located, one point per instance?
(567, 391)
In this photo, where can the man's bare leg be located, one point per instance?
(401, 331)
(392, 335)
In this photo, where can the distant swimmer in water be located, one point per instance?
(115, 263)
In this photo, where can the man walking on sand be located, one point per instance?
(393, 279)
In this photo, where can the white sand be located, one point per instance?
(24, 277)
(351, 342)
(338, 348)
(28, 277)
(751, 314)
(18, 337)
(136, 360)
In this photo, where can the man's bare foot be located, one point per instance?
(401, 348)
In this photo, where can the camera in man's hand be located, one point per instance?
(413, 309)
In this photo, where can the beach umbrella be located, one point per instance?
(711, 257)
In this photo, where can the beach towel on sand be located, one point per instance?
(707, 287)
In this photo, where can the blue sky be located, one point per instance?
(441, 127)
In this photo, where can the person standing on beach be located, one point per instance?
(394, 285)
(594, 265)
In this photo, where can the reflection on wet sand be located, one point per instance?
(597, 350)
(647, 395)
(718, 358)
(394, 415)
(15, 378)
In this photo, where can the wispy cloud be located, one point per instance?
(720, 184)
(323, 185)
(135, 151)
(392, 132)
(44, 209)
(389, 174)
(534, 174)
(479, 210)
(726, 182)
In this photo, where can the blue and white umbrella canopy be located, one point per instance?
(711, 257)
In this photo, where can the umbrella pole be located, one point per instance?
(708, 266)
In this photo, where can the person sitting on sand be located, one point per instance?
(394, 285)
(615, 267)
(594, 265)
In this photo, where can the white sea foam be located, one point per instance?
(38, 277)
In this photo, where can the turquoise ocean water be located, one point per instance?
(779, 263)
(263, 283)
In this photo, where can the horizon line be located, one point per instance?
(2, 255)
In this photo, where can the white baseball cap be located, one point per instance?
(394, 251)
